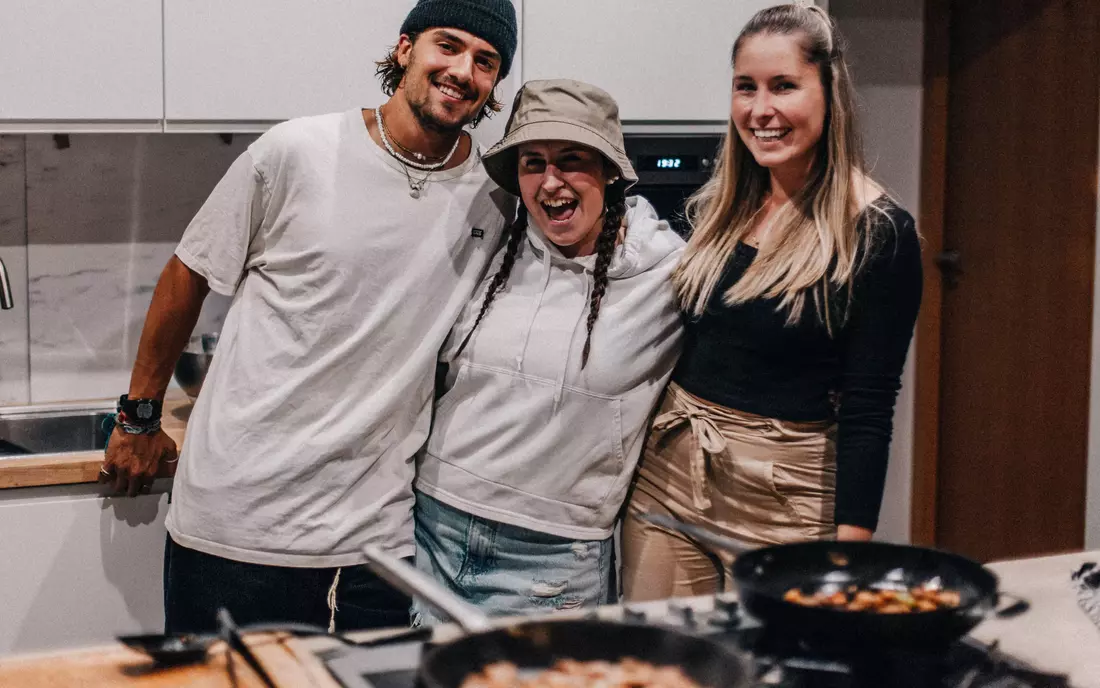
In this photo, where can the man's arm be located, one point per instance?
(177, 302)
(132, 461)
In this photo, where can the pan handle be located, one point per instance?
(702, 535)
(420, 585)
(1019, 606)
(231, 634)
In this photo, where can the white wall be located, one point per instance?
(1092, 504)
(886, 52)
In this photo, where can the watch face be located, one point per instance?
(145, 410)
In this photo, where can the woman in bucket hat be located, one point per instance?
(553, 369)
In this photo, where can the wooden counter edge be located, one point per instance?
(289, 661)
(292, 661)
(71, 468)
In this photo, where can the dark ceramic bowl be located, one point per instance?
(191, 370)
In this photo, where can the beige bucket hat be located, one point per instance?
(560, 110)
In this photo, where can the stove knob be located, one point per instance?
(684, 612)
(727, 612)
(727, 601)
(632, 614)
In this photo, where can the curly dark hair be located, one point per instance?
(390, 72)
(614, 211)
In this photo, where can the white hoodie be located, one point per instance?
(523, 435)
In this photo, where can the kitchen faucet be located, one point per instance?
(6, 300)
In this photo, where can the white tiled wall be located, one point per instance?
(100, 216)
(88, 304)
(14, 356)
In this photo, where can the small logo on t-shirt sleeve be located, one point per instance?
(477, 233)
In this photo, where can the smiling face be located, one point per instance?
(449, 75)
(779, 102)
(562, 185)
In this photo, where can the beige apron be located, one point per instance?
(761, 480)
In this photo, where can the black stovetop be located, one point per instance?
(780, 663)
(966, 663)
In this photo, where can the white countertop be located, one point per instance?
(1055, 634)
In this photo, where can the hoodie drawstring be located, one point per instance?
(535, 310)
(560, 391)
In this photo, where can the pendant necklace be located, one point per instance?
(416, 186)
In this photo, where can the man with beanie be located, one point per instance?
(349, 243)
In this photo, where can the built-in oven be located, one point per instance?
(670, 168)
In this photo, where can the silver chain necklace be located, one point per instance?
(416, 186)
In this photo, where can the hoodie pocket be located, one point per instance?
(505, 428)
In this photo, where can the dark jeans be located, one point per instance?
(197, 584)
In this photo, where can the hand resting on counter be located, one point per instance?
(133, 462)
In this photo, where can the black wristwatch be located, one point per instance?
(140, 411)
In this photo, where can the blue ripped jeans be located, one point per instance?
(504, 569)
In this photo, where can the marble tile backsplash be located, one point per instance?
(14, 333)
(90, 221)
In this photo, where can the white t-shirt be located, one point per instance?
(299, 448)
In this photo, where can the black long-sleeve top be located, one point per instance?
(745, 357)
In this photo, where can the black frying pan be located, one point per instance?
(764, 575)
(536, 645)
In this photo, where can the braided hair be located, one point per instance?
(613, 215)
(500, 280)
(614, 212)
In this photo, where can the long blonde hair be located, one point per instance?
(817, 247)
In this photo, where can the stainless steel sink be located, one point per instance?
(53, 429)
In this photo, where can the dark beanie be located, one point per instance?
(493, 21)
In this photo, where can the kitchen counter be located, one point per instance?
(1055, 635)
(286, 659)
(83, 467)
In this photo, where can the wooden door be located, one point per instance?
(1010, 185)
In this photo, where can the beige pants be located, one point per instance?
(760, 480)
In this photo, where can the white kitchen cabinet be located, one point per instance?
(250, 60)
(238, 65)
(78, 568)
(660, 59)
(87, 60)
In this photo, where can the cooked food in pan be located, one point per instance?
(887, 601)
(626, 673)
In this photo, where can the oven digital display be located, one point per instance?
(666, 163)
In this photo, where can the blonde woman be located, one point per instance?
(800, 287)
